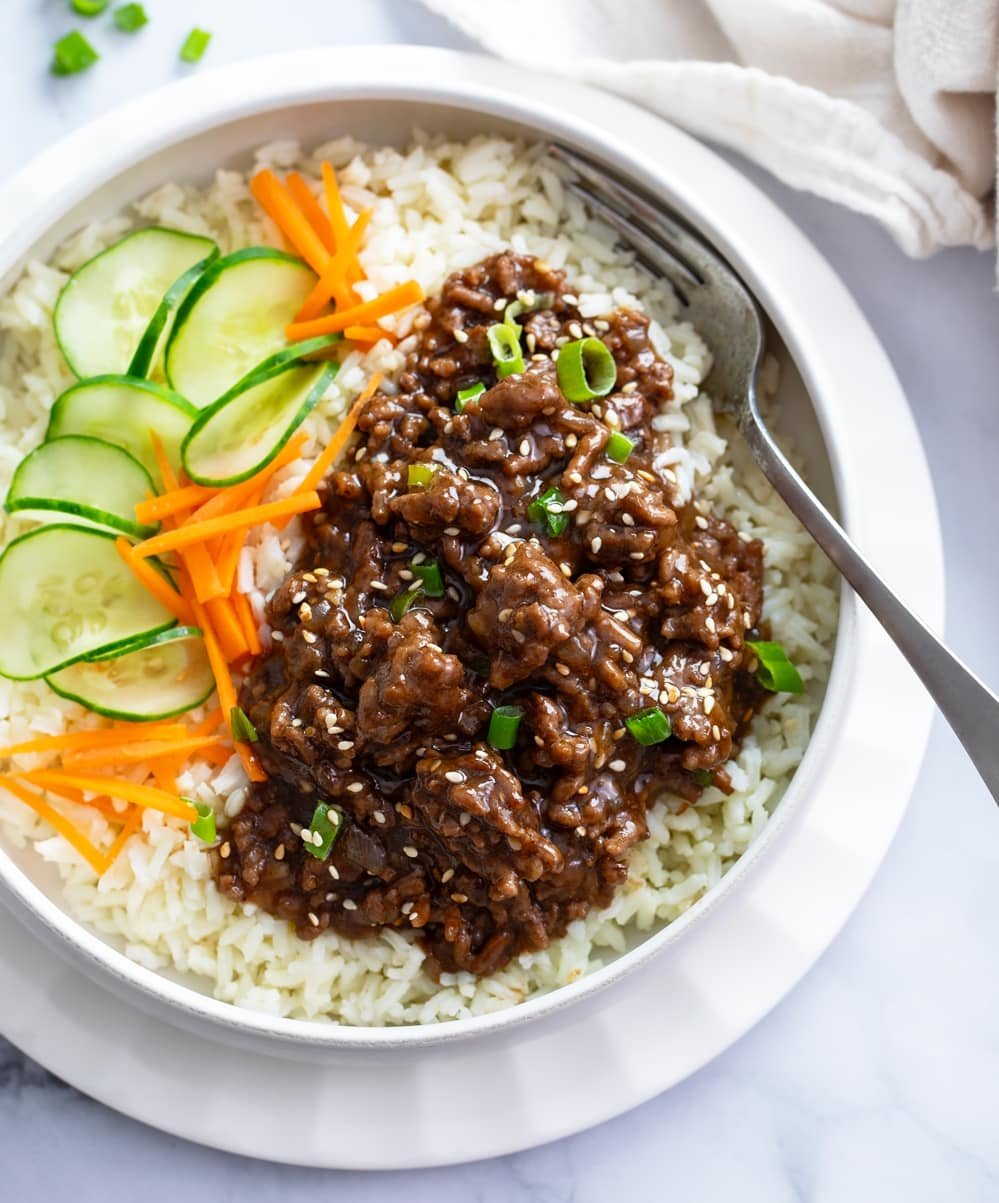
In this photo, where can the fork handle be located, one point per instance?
(970, 707)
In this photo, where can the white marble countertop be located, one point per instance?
(878, 1078)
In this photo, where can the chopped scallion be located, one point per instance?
(542, 300)
(618, 447)
(429, 576)
(468, 394)
(504, 343)
(130, 18)
(402, 602)
(649, 726)
(586, 369)
(703, 778)
(204, 825)
(241, 727)
(73, 54)
(504, 723)
(547, 512)
(195, 45)
(321, 834)
(774, 671)
(420, 475)
(89, 8)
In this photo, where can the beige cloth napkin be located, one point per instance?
(887, 106)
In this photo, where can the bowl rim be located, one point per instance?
(113, 143)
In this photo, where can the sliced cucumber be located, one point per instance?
(147, 361)
(108, 303)
(85, 479)
(166, 675)
(123, 411)
(244, 430)
(233, 318)
(65, 593)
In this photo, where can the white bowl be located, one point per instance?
(188, 129)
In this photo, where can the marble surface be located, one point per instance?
(878, 1078)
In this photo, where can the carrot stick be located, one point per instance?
(247, 622)
(138, 753)
(211, 722)
(132, 817)
(302, 195)
(167, 474)
(276, 201)
(99, 737)
(238, 496)
(227, 629)
(228, 559)
(104, 805)
(170, 503)
(160, 588)
(340, 436)
(127, 791)
(368, 334)
(400, 297)
(164, 776)
(334, 202)
(59, 822)
(336, 278)
(198, 532)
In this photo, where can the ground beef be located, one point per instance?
(640, 601)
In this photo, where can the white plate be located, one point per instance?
(743, 949)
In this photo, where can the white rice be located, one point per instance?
(438, 206)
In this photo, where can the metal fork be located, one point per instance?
(721, 308)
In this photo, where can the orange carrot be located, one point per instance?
(302, 196)
(60, 823)
(334, 203)
(238, 496)
(368, 334)
(132, 817)
(400, 297)
(228, 557)
(251, 765)
(276, 201)
(104, 805)
(138, 753)
(170, 503)
(164, 775)
(99, 737)
(199, 532)
(211, 722)
(127, 791)
(227, 629)
(167, 474)
(246, 620)
(220, 670)
(160, 588)
(335, 281)
(340, 436)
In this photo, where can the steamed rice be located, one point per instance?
(439, 205)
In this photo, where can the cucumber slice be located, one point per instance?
(108, 303)
(167, 675)
(147, 362)
(233, 318)
(82, 478)
(122, 411)
(65, 593)
(247, 426)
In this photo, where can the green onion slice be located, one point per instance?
(586, 369)
(420, 475)
(468, 394)
(204, 825)
(130, 17)
(195, 45)
(402, 602)
(504, 343)
(649, 726)
(618, 447)
(542, 300)
(546, 512)
(321, 834)
(429, 576)
(774, 671)
(241, 727)
(703, 778)
(504, 723)
(89, 8)
(73, 54)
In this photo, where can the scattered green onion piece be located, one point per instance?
(703, 778)
(546, 512)
(322, 832)
(420, 475)
(241, 727)
(649, 726)
(402, 602)
(468, 394)
(89, 8)
(73, 54)
(195, 45)
(542, 300)
(775, 672)
(429, 576)
(618, 447)
(204, 825)
(586, 369)
(504, 343)
(130, 18)
(504, 723)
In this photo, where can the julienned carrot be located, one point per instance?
(104, 805)
(167, 474)
(199, 532)
(132, 817)
(220, 670)
(341, 436)
(138, 753)
(367, 334)
(211, 722)
(244, 613)
(92, 855)
(227, 629)
(115, 787)
(302, 195)
(99, 737)
(400, 297)
(228, 558)
(336, 279)
(164, 776)
(237, 496)
(277, 202)
(147, 575)
(167, 504)
(334, 203)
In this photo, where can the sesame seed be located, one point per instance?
(464, 818)
(574, 478)
(495, 434)
(499, 304)
(525, 447)
(709, 622)
(277, 636)
(419, 557)
(459, 897)
(636, 555)
(531, 341)
(570, 298)
(279, 852)
(355, 787)
(565, 569)
(334, 873)
(380, 586)
(460, 336)
(617, 766)
(405, 574)
(571, 441)
(299, 597)
(407, 907)
(451, 530)
(576, 330)
(446, 876)
(627, 520)
(359, 454)
(454, 777)
(399, 547)
(569, 506)
(308, 637)
(410, 851)
(595, 544)
(345, 745)
(701, 522)
(320, 672)
(520, 636)
(226, 850)
(715, 732)
(305, 612)
(627, 657)
(563, 670)
(313, 919)
(349, 904)
(725, 654)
